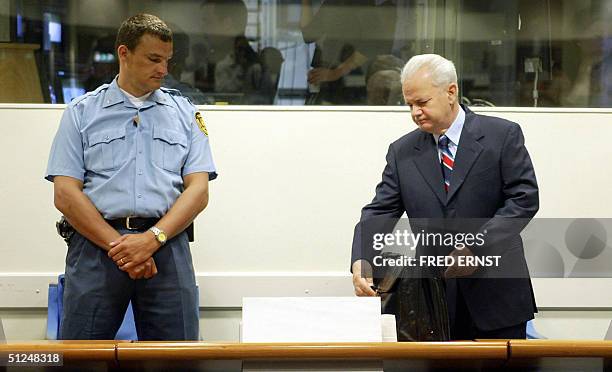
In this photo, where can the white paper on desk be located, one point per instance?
(311, 319)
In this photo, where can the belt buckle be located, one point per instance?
(127, 223)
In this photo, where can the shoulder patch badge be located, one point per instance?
(201, 124)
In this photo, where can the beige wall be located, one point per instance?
(291, 185)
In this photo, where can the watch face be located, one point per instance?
(161, 237)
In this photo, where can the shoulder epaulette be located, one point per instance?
(174, 92)
(94, 92)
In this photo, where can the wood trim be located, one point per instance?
(560, 349)
(117, 351)
(253, 351)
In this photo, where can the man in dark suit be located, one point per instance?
(460, 165)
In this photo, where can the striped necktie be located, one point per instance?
(447, 160)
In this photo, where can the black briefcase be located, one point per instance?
(418, 301)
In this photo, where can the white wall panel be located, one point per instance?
(291, 185)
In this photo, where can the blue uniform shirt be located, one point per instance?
(131, 160)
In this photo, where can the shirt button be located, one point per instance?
(140, 151)
(140, 172)
(139, 196)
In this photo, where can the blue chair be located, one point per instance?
(55, 308)
(532, 334)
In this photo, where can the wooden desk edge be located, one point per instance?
(560, 349)
(482, 349)
(248, 351)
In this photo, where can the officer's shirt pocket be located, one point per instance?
(106, 150)
(169, 149)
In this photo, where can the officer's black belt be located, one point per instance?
(142, 224)
(133, 223)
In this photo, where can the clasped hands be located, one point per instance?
(133, 253)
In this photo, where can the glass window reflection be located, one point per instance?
(319, 52)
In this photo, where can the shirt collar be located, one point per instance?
(133, 98)
(454, 131)
(114, 96)
(159, 97)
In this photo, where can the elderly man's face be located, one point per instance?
(431, 107)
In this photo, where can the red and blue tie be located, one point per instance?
(447, 160)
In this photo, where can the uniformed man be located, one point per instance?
(130, 165)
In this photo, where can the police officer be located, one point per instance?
(130, 164)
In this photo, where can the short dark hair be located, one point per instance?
(133, 28)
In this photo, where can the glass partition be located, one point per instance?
(521, 53)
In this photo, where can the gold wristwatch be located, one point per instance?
(160, 235)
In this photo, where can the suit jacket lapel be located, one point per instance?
(428, 164)
(467, 152)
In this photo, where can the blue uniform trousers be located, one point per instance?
(97, 294)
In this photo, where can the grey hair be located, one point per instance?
(442, 70)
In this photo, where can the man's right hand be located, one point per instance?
(362, 278)
(145, 270)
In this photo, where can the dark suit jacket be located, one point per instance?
(492, 177)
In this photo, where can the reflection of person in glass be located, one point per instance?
(347, 35)
(237, 67)
(592, 84)
(180, 42)
(459, 164)
(383, 81)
